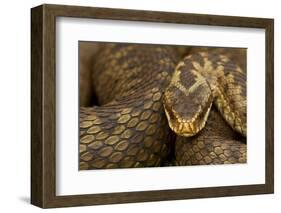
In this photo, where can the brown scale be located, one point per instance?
(129, 128)
(217, 143)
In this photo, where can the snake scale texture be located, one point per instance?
(157, 108)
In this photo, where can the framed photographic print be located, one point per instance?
(136, 106)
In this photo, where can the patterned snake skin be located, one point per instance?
(199, 80)
(129, 127)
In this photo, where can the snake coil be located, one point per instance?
(139, 86)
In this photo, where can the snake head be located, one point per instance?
(187, 102)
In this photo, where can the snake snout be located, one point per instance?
(182, 116)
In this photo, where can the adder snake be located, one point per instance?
(155, 108)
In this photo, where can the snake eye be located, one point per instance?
(170, 114)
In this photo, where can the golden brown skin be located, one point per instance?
(217, 143)
(200, 80)
(129, 128)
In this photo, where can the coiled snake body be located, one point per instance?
(139, 86)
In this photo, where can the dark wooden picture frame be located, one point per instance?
(43, 105)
